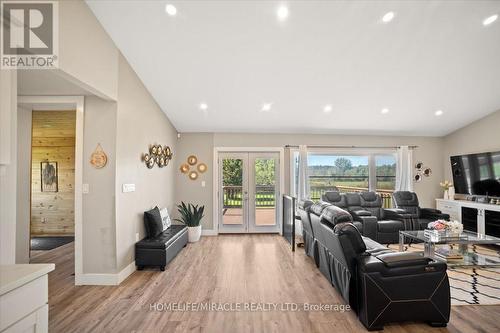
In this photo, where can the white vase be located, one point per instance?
(451, 193)
(194, 234)
(446, 195)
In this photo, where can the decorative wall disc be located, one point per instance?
(184, 168)
(157, 155)
(202, 167)
(193, 175)
(98, 159)
(192, 160)
(427, 172)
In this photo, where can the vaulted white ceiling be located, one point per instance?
(236, 55)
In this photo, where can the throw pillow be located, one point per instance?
(152, 222)
(165, 219)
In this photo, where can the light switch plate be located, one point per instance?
(203, 183)
(128, 188)
(85, 188)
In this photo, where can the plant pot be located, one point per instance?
(194, 234)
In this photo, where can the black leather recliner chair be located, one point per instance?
(408, 201)
(380, 285)
(350, 202)
(380, 224)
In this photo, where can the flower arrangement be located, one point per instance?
(453, 227)
(446, 185)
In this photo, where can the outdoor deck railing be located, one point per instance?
(265, 195)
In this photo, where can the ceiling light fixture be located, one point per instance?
(266, 107)
(388, 17)
(327, 108)
(171, 10)
(282, 13)
(384, 111)
(203, 106)
(490, 20)
(439, 113)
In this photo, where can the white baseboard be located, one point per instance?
(97, 280)
(210, 232)
(106, 279)
(124, 273)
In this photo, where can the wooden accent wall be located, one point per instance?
(53, 139)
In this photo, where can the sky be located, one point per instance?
(356, 160)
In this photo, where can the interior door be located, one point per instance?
(248, 192)
(233, 192)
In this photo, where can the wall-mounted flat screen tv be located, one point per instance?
(477, 174)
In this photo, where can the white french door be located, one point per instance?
(248, 192)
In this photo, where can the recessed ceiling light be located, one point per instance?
(203, 106)
(388, 17)
(327, 108)
(282, 13)
(384, 111)
(266, 107)
(439, 113)
(170, 9)
(490, 20)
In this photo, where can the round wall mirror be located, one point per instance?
(184, 168)
(193, 175)
(192, 160)
(418, 177)
(427, 172)
(419, 166)
(202, 167)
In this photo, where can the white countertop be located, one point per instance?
(14, 276)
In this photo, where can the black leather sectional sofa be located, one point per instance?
(380, 285)
(373, 221)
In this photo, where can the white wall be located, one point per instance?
(23, 203)
(429, 152)
(480, 136)
(190, 191)
(99, 255)
(86, 52)
(8, 166)
(140, 123)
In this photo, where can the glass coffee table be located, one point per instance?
(458, 247)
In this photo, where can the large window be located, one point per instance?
(355, 171)
(347, 173)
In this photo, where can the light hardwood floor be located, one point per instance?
(225, 269)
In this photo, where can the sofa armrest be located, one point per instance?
(403, 259)
(431, 213)
(369, 225)
(401, 215)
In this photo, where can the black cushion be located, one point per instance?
(351, 233)
(318, 207)
(335, 215)
(153, 223)
(162, 240)
(390, 226)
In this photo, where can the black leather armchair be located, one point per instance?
(408, 201)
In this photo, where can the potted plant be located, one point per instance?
(191, 216)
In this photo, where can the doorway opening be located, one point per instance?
(52, 222)
(249, 186)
